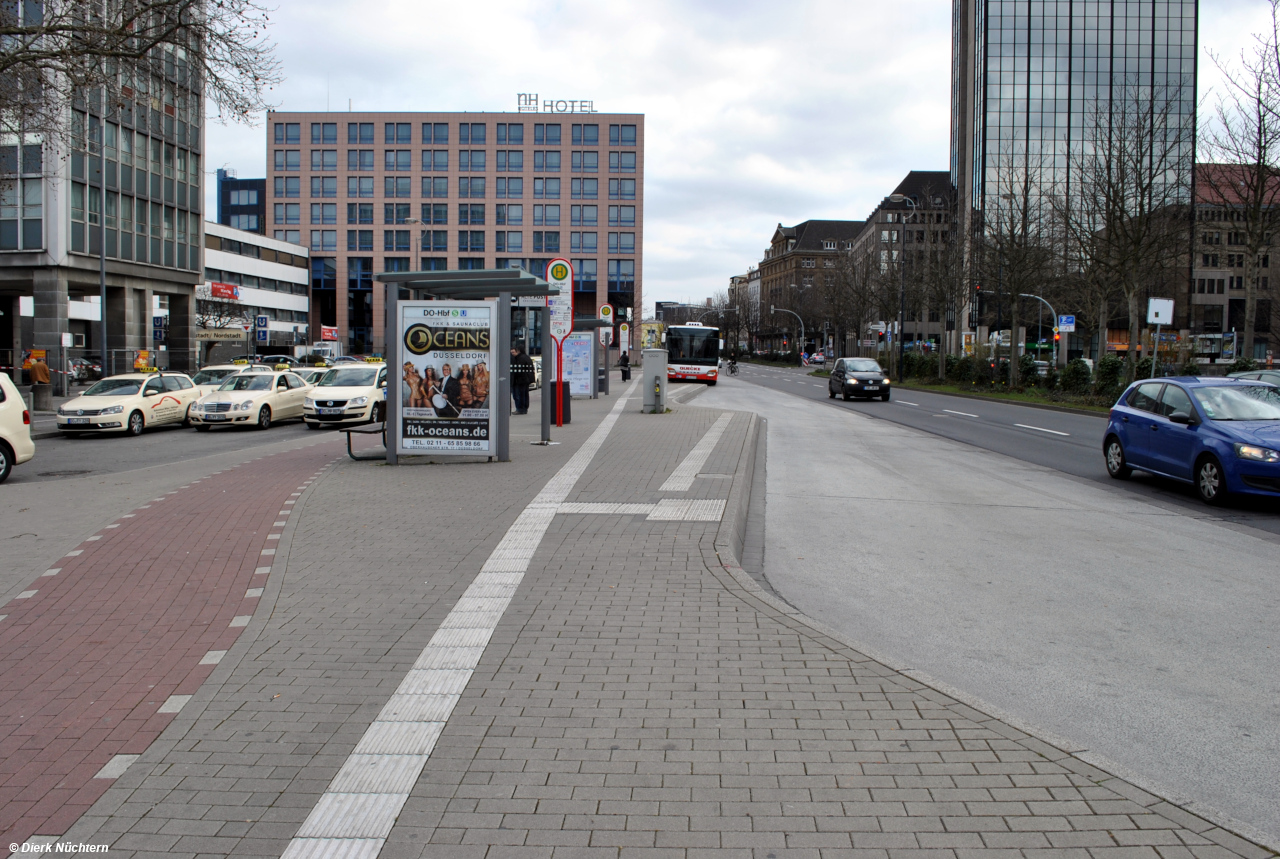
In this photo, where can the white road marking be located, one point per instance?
(1041, 429)
(666, 510)
(26, 595)
(356, 812)
(52, 572)
(174, 704)
(115, 767)
(253, 593)
(213, 657)
(905, 403)
(240, 620)
(682, 478)
(966, 414)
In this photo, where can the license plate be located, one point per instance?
(77, 420)
(329, 411)
(215, 417)
(873, 387)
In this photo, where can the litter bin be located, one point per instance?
(557, 392)
(42, 397)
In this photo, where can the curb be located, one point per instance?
(727, 545)
(1046, 406)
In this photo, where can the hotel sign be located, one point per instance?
(527, 102)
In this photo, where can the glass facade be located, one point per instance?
(1030, 74)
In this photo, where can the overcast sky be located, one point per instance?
(755, 112)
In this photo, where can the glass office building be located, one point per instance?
(1027, 75)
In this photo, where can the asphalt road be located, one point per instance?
(1124, 621)
(1067, 442)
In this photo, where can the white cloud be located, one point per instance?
(756, 112)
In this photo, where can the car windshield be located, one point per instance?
(247, 382)
(863, 365)
(209, 377)
(349, 377)
(1239, 402)
(115, 388)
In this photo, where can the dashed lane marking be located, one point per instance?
(1041, 429)
(964, 414)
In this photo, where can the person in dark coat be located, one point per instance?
(624, 361)
(522, 376)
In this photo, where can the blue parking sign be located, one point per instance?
(262, 335)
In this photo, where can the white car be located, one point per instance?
(251, 398)
(347, 394)
(210, 378)
(537, 371)
(16, 446)
(130, 403)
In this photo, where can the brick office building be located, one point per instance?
(374, 192)
(790, 276)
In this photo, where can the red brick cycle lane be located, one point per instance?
(97, 653)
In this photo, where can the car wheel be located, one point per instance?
(264, 418)
(136, 424)
(885, 396)
(6, 462)
(847, 397)
(1117, 467)
(314, 426)
(831, 392)
(1211, 483)
(711, 384)
(202, 427)
(186, 417)
(376, 416)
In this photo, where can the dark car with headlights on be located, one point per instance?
(858, 377)
(1220, 435)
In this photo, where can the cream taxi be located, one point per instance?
(129, 402)
(347, 394)
(16, 446)
(210, 378)
(251, 397)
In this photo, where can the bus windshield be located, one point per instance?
(687, 345)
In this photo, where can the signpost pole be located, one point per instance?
(393, 351)
(502, 407)
(560, 275)
(546, 374)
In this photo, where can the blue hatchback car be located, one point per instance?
(1221, 435)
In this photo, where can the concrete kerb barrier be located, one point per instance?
(722, 559)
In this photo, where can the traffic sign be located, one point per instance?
(606, 312)
(624, 336)
(262, 335)
(247, 326)
(263, 322)
(606, 336)
(1159, 311)
(1066, 324)
(157, 334)
(560, 276)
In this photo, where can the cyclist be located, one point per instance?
(733, 365)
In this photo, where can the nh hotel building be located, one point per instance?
(374, 192)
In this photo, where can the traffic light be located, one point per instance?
(1057, 337)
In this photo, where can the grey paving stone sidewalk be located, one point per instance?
(637, 698)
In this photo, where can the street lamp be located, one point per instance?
(902, 289)
(773, 309)
(1052, 314)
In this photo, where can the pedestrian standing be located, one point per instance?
(39, 372)
(522, 376)
(624, 361)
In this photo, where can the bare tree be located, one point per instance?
(848, 291)
(58, 51)
(1125, 211)
(216, 313)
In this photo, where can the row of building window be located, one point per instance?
(437, 160)
(474, 187)
(267, 283)
(162, 235)
(505, 241)
(1231, 260)
(1219, 285)
(620, 273)
(437, 133)
(468, 213)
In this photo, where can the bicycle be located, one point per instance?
(733, 368)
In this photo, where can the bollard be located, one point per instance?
(655, 388)
(42, 398)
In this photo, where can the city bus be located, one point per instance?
(693, 353)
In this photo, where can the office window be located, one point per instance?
(548, 134)
(397, 132)
(435, 186)
(243, 197)
(546, 189)
(508, 242)
(324, 213)
(287, 159)
(359, 213)
(511, 214)
(286, 213)
(435, 241)
(584, 275)
(286, 132)
(324, 159)
(435, 159)
(360, 159)
(512, 160)
(293, 237)
(622, 135)
(622, 243)
(546, 216)
(359, 186)
(435, 133)
(586, 243)
(512, 133)
(585, 216)
(397, 160)
(473, 188)
(512, 188)
(470, 214)
(586, 135)
(586, 162)
(395, 240)
(435, 213)
(585, 189)
(622, 189)
(622, 162)
(324, 132)
(324, 240)
(470, 241)
(547, 241)
(288, 186)
(622, 275)
(324, 186)
(359, 240)
(359, 132)
(546, 161)
(239, 222)
(395, 213)
(471, 160)
(470, 263)
(471, 133)
(622, 216)
(397, 186)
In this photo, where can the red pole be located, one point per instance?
(559, 386)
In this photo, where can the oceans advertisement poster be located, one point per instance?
(446, 389)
